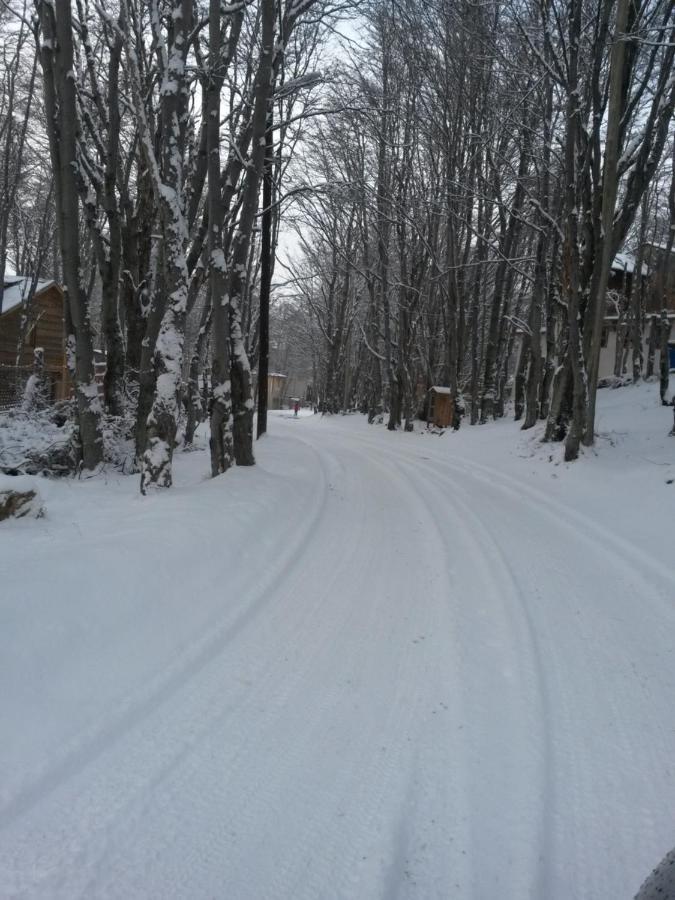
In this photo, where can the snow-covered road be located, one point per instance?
(377, 666)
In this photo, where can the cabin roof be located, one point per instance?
(439, 389)
(663, 245)
(624, 262)
(16, 289)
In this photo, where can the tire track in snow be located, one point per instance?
(192, 662)
(364, 771)
(501, 583)
(555, 510)
(605, 714)
(595, 754)
(85, 816)
(376, 768)
(558, 512)
(572, 752)
(281, 748)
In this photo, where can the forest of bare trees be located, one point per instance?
(136, 138)
(484, 165)
(457, 179)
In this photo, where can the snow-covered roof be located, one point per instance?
(439, 390)
(624, 262)
(662, 246)
(276, 375)
(17, 288)
(614, 318)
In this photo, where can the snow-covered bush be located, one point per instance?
(42, 440)
(118, 440)
(30, 438)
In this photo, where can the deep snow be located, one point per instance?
(375, 665)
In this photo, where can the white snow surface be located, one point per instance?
(373, 666)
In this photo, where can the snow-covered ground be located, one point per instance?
(375, 665)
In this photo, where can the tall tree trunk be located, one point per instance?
(571, 249)
(637, 311)
(62, 126)
(113, 382)
(168, 184)
(535, 367)
(221, 441)
(193, 404)
(494, 335)
(610, 183)
(664, 360)
(242, 402)
(669, 279)
(265, 279)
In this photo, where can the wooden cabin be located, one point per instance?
(441, 407)
(276, 389)
(620, 280)
(26, 323)
(661, 289)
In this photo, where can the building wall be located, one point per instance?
(276, 391)
(607, 353)
(45, 329)
(661, 285)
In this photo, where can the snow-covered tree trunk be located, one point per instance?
(571, 247)
(193, 404)
(168, 183)
(664, 361)
(668, 285)
(56, 54)
(610, 184)
(652, 344)
(539, 288)
(508, 240)
(383, 226)
(266, 268)
(242, 400)
(636, 301)
(98, 174)
(221, 443)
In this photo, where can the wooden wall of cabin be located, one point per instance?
(45, 329)
(661, 281)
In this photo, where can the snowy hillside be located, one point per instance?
(375, 665)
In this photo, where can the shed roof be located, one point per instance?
(17, 288)
(439, 389)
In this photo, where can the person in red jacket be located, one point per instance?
(296, 407)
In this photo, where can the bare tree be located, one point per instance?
(56, 54)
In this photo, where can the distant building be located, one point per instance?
(28, 322)
(277, 389)
(615, 335)
(441, 407)
(661, 289)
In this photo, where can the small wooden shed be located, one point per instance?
(441, 407)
